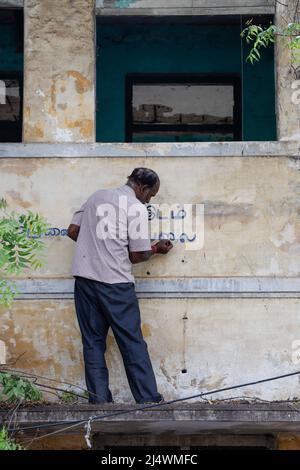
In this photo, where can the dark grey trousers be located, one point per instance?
(98, 307)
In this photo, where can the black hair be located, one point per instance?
(144, 176)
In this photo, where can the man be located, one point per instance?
(111, 231)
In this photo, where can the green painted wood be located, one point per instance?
(180, 48)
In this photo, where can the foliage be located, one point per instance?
(20, 247)
(16, 388)
(261, 38)
(264, 36)
(69, 397)
(7, 443)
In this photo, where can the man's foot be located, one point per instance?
(160, 402)
(100, 402)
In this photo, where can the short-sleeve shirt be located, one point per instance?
(112, 223)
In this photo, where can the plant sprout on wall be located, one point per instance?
(262, 36)
(20, 247)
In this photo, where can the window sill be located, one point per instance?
(288, 148)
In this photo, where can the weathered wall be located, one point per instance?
(288, 75)
(251, 209)
(251, 229)
(172, 7)
(219, 342)
(59, 101)
(183, 7)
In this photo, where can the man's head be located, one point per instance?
(145, 183)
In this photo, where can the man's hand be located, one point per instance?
(163, 247)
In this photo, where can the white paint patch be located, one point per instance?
(274, 266)
(243, 196)
(294, 163)
(64, 135)
(287, 235)
(40, 93)
(2, 352)
(13, 342)
(270, 270)
(295, 136)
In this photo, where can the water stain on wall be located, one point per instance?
(17, 199)
(218, 213)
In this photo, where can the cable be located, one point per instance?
(75, 423)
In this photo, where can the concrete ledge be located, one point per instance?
(121, 150)
(193, 11)
(179, 418)
(181, 288)
(266, 7)
(185, 7)
(11, 3)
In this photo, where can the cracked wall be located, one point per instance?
(196, 345)
(251, 209)
(288, 76)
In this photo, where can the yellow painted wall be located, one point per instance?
(251, 218)
(219, 342)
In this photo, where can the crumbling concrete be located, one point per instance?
(59, 82)
(287, 76)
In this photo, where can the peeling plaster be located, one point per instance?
(2, 352)
(286, 235)
(222, 334)
(64, 135)
(40, 93)
(146, 330)
(211, 382)
(18, 200)
(33, 131)
(59, 87)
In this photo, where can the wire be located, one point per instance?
(76, 423)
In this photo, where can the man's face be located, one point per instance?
(144, 193)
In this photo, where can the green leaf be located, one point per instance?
(17, 250)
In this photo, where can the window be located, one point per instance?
(11, 75)
(182, 108)
(182, 80)
(10, 107)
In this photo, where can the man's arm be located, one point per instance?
(162, 247)
(140, 256)
(73, 231)
(74, 227)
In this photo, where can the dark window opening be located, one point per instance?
(10, 107)
(182, 108)
(137, 62)
(11, 75)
